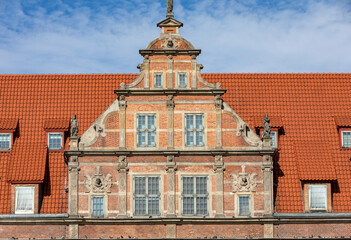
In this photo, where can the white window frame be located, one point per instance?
(162, 81)
(50, 133)
(147, 145)
(207, 195)
(342, 139)
(186, 80)
(147, 196)
(92, 206)
(33, 200)
(310, 186)
(194, 131)
(275, 143)
(238, 204)
(10, 143)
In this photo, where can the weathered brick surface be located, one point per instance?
(33, 231)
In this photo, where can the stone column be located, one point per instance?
(218, 106)
(267, 168)
(73, 169)
(122, 121)
(146, 69)
(122, 184)
(171, 201)
(193, 72)
(219, 174)
(170, 120)
(170, 72)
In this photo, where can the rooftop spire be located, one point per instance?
(170, 13)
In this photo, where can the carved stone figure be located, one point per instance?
(169, 8)
(98, 183)
(244, 182)
(266, 127)
(74, 126)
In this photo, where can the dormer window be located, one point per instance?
(24, 200)
(5, 141)
(317, 197)
(158, 83)
(55, 140)
(274, 136)
(182, 80)
(346, 139)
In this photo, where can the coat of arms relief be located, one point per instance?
(98, 183)
(244, 182)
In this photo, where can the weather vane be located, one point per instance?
(170, 13)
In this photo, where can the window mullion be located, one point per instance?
(146, 195)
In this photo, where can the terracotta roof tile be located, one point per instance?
(8, 124)
(61, 124)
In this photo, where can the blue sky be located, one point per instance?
(104, 36)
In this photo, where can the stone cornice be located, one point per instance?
(169, 152)
(204, 91)
(166, 52)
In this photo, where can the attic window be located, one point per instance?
(55, 140)
(24, 200)
(5, 141)
(317, 197)
(346, 139)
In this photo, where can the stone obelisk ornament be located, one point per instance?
(266, 127)
(74, 127)
(170, 13)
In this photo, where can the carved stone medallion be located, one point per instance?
(244, 182)
(98, 183)
(170, 44)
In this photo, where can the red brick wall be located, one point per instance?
(33, 231)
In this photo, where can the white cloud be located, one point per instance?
(235, 36)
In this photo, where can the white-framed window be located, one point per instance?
(317, 197)
(97, 206)
(182, 80)
(244, 204)
(195, 195)
(158, 80)
(146, 197)
(346, 139)
(146, 130)
(274, 137)
(5, 141)
(194, 130)
(55, 140)
(24, 200)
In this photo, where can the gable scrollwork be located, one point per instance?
(98, 183)
(244, 182)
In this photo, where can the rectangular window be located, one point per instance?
(5, 141)
(194, 129)
(146, 130)
(317, 195)
(97, 206)
(158, 80)
(182, 80)
(146, 195)
(195, 195)
(346, 139)
(244, 205)
(55, 141)
(24, 202)
(274, 139)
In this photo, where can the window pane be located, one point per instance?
(158, 80)
(244, 205)
(98, 206)
(201, 185)
(24, 199)
(153, 205)
(55, 141)
(201, 205)
(182, 80)
(151, 139)
(140, 206)
(5, 141)
(346, 139)
(199, 122)
(188, 185)
(199, 138)
(188, 205)
(153, 185)
(151, 122)
(140, 185)
(189, 138)
(141, 122)
(189, 122)
(274, 139)
(318, 197)
(141, 138)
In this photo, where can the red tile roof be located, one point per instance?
(305, 104)
(56, 124)
(8, 124)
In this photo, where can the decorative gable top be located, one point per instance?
(170, 22)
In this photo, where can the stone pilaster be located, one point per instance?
(170, 120)
(219, 169)
(122, 184)
(73, 171)
(268, 231)
(146, 69)
(171, 231)
(218, 106)
(122, 121)
(267, 168)
(73, 231)
(171, 168)
(193, 72)
(170, 72)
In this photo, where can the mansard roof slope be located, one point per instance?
(307, 105)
